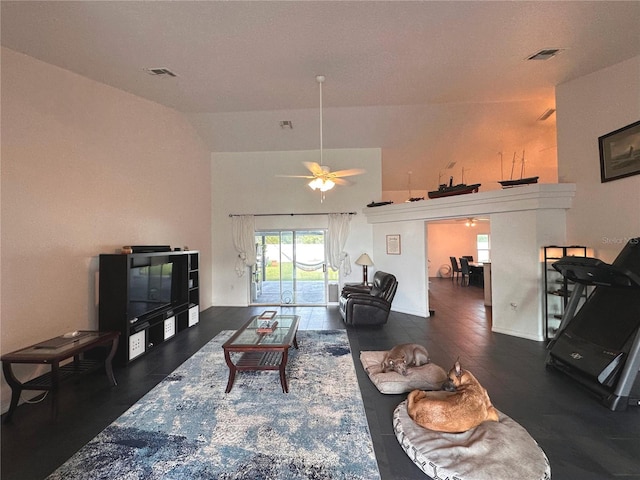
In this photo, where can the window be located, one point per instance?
(483, 243)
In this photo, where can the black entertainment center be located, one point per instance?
(148, 297)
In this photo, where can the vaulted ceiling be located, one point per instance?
(392, 67)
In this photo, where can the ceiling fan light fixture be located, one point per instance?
(321, 184)
(327, 185)
(315, 183)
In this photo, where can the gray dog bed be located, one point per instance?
(424, 377)
(492, 450)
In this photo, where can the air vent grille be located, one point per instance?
(160, 71)
(547, 113)
(545, 54)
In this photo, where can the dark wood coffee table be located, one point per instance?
(261, 351)
(53, 352)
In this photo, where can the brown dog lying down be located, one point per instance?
(404, 356)
(465, 406)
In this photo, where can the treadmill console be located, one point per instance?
(593, 271)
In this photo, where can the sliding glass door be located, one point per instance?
(291, 268)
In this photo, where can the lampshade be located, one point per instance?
(315, 183)
(321, 184)
(364, 260)
(327, 185)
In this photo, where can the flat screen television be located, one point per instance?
(152, 288)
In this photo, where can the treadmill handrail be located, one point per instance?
(593, 271)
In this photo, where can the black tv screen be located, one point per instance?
(150, 288)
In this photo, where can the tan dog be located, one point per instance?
(459, 410)
(404, 356)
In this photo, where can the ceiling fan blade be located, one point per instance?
(314, 168)
(341, 181)
(295, 176)
(347, 173)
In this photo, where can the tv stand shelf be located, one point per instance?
(148, 297)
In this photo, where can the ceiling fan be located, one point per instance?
(472, 221)
(322, 178)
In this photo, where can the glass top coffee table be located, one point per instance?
(261, 350)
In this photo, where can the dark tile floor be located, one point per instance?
(582, 439)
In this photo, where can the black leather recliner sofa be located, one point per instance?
(368, 305)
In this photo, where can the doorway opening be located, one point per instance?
(291, 268)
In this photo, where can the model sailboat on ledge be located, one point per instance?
(522, 180)
(445, 190)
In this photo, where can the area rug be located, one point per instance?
(188, 428)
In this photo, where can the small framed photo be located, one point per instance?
(393, 244)
(620, 153)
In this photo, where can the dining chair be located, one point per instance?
(455, 269)
(464, 271)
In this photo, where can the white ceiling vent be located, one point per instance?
(160, 71)
(545, 54)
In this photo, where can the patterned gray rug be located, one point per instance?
(188, 428)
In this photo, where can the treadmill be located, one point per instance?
(599, 343)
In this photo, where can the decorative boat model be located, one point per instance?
(445, 190)
(378, 204)
(515, 183)
(520, 181)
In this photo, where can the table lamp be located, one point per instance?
(365, 261)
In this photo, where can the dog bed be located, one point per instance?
(424, 377)
(492, 450)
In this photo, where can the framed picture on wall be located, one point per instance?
(620, 153)
(393, 244)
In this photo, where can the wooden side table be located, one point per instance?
(52, 352)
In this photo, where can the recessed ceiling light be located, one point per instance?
(160, 71)
(545, 54)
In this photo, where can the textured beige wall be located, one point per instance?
(605, 215)
(472, 135)
(87, 168)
